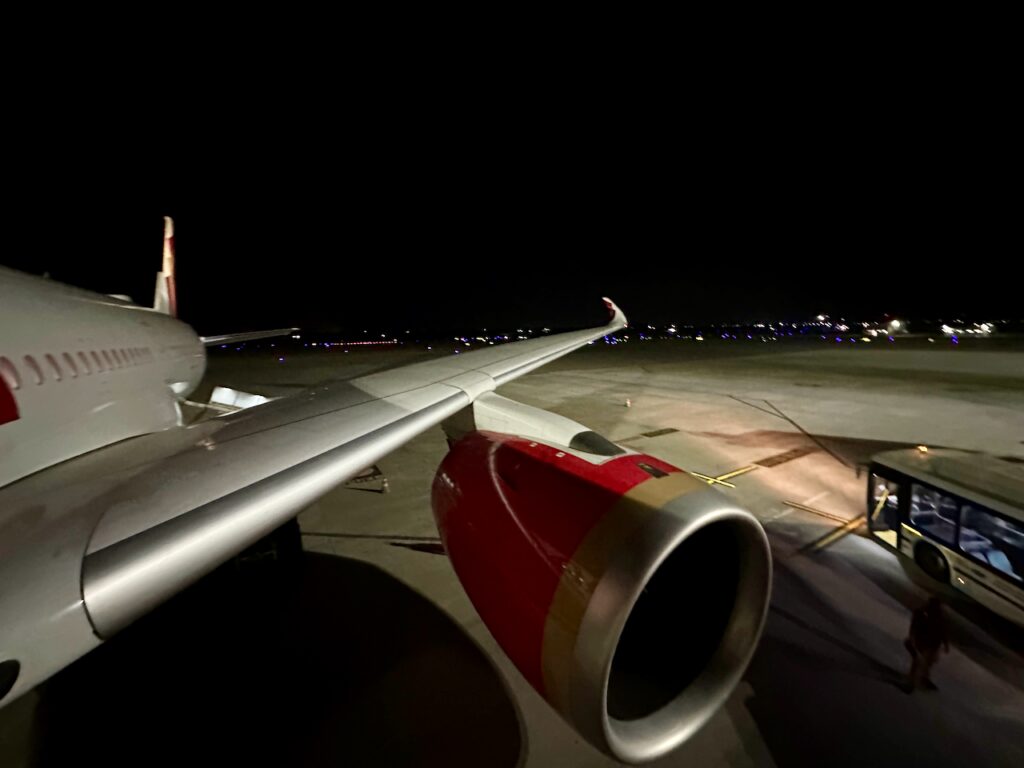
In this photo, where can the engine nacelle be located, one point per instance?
(628, 593)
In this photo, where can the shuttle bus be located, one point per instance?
(959, 516)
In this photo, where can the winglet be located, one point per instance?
(618, 317)
(166, 299)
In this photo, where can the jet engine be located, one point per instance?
(627, 592)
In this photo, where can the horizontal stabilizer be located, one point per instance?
(231, 338)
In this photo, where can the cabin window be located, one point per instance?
(85, 363)
(34, 369)
(99, 362)
(69, 362)
(10, 373)
(108, 359)
(55, 367)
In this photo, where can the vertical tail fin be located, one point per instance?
(165, 299)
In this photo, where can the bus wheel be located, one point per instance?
(931, 561)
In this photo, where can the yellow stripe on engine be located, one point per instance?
(586, 567)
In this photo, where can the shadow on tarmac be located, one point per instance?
(332, 662)
(822, 698)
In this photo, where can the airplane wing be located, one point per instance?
(157, 512)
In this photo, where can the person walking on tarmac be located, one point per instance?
(926, 638)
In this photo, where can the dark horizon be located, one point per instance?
(241, 273)
(483, 231)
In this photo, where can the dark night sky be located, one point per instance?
(334, 214)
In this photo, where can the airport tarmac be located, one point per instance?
(368, 651)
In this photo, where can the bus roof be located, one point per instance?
(990, 480)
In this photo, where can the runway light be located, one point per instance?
(923, 448)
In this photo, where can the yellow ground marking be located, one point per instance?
(818, 512)
(721, 479)
(832, 537)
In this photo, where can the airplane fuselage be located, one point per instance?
(79, 371)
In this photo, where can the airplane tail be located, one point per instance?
(165, 298)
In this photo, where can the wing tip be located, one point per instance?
(616, 316)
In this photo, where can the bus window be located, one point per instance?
(933, 512)
(884, 512)
(993, 541)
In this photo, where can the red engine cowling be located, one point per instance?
(628, 593)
